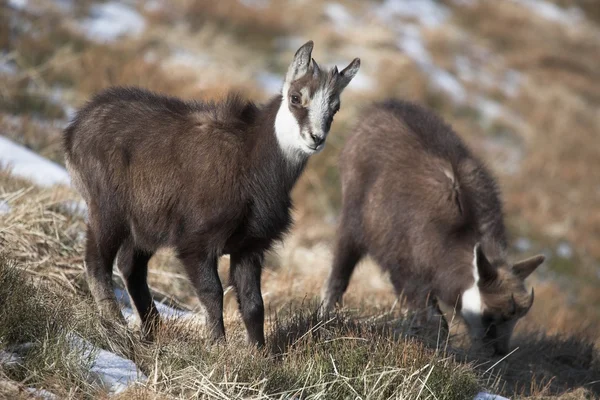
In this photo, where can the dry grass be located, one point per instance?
(551, 197)
(372, 349)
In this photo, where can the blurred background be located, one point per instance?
(519, 80)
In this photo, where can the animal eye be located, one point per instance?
(295, 99)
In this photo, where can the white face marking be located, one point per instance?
(318, 110)
(472, 306)
(287, 129)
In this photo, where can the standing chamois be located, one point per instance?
(207, 179)
(429, 213)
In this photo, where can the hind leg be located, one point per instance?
(101, 250)
(133, 264)
(347, 254)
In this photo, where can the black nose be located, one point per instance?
(317, 139)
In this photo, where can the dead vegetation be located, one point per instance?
(543, 150)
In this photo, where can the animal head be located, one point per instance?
(310, 99)
(497, 299)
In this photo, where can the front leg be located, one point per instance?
(245, 272)
(203, 273)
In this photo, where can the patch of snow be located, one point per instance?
(115, 372)
(410, 41)
(260, 4)
(8, 358)
(553, 12)
(56, 96)
(154, 5)
(18, 4)
(429, 13)
(186, 58)
(448, 83)
(488, 396)
(564, 250)
(26, 164)
(7, 68)
(109, 21)
(270, 82)
(512, 82)
(490, 109)
(164, 310)
(42, 394)
(362, 83)
(339, 15)
(523, 244)
(4, 207)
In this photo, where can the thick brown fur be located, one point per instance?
(205, 178)
(417, 201)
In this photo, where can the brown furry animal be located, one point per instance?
(417, 201)
(205, 178)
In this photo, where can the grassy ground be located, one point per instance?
(542, 147)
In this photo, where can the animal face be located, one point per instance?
(497, 299)
(310, 100)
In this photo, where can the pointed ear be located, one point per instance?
(348, 73)
(299, 67)
(524, 268)
(487, 272)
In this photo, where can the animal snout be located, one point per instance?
(317, 139)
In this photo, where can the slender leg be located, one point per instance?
(133, 264)
(202, 271)
(347, 255)
(101, 250)
(245, 272)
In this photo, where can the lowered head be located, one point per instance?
(497, 299)
(310, 99)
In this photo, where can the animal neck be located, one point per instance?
(274, 162)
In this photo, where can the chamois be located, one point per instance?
(428, 212)
(205, 178)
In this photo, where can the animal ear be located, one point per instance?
(524, 268)
(348, 73)
(315, 68)
(299, 67)
(487, 272)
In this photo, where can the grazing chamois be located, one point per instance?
(204, 178)
(429, 213)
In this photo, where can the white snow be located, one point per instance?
(186, 58)
(42, 394)
(115, 372)
(362, 83)
(7, 67)
(410, 41)
(260, 4)
(18, 4)
(564, 250)
(271, 83)
(4, 207)
(523, 244)
(111, 20)
(552, 12)
(428, 13)
(26, 164)
(488, 396)
(164, 310)
(8, 358)
(339, 15)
